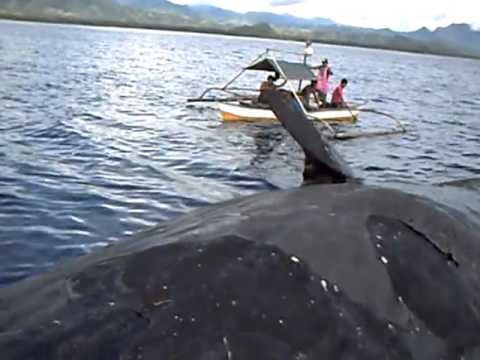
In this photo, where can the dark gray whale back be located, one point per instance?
(331, 271)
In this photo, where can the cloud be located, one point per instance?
(285, 2)
(396, 15)
(439, 17)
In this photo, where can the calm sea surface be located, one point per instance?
(97, 142)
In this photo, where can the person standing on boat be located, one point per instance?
(267, 85)
(324, 73)
(337, 96)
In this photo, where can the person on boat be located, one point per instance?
(307, 93)
(267, 85)
(337, 96)
(324, 73)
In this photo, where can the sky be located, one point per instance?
(399, 15)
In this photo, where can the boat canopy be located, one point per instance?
(292, 70)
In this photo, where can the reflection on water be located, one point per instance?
(96, 140)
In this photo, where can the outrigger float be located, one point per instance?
(239, 104)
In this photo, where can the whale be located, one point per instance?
(334, 269)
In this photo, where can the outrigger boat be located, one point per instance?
(237, 107)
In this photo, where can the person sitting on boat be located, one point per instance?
(306, 94)
(324, 73)
(266, 85)
(337, 96)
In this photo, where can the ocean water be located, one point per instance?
(97, 140)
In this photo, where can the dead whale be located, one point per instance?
(333, 270)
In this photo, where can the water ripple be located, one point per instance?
(96, 140)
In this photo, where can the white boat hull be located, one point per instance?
(236, 112)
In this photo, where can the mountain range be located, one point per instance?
(460, 37)
(456, 39)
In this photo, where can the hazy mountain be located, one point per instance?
(215, 13)
(456, 36)
(383, 38)
(93, 8)
(457, 39)
(149, 4)
(89, 11)
(158, 5)
(460, 34)
(286, 20)
(221, 15)
(420, 34)
(261, 29)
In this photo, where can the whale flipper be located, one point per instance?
(327, 165)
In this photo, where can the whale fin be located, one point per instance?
(323, 164)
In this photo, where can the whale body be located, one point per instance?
(336, 269)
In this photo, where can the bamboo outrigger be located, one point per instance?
(238, 106)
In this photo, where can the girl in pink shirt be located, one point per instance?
(324, 73)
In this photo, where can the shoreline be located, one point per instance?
(212, 31)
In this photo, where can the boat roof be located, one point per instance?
(292, 70)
